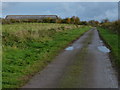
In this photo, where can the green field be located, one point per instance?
(112, 41)
(29, 47)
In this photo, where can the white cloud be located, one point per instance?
(112, 14)
(109, 14)
(70, 9)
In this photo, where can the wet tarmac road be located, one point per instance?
(80, 65)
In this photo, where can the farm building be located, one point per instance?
(31, 16)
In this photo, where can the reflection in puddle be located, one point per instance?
(104, 49)
(101, 41)
(69, 48)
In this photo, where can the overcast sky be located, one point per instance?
(84, 10)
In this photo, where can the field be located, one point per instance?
(28, 48)
(112, 41)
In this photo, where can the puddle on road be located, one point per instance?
(101, 41)
(103, 49)
(69, 48)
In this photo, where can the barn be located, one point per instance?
(31, 16)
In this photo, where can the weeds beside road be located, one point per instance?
(28, 48)
(112, 41)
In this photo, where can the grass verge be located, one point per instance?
(112, 41)
(28, 51)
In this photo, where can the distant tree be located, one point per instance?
(105, 21)
(115, 26)
(72, 20)
(112, 26)
(83, 23)
(77, 20)
(59, 20)
(53, 20)
(46, 20)
(68, 20)
(93, 23)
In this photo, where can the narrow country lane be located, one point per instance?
(81, 65)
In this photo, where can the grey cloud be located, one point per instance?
(85, 10)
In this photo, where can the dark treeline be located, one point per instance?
(72, 20)
(105, 23)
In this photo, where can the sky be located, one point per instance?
(84, 10)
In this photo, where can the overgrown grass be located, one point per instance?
(28, 48)
(112, 40)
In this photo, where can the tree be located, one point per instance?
(68, 20)
(73, 20)
(83, 23)
(93, 23)
(105, 21)
(59, 20)
(77, 20)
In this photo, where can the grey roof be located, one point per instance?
(30, 16)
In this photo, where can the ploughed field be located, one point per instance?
(29, 47)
